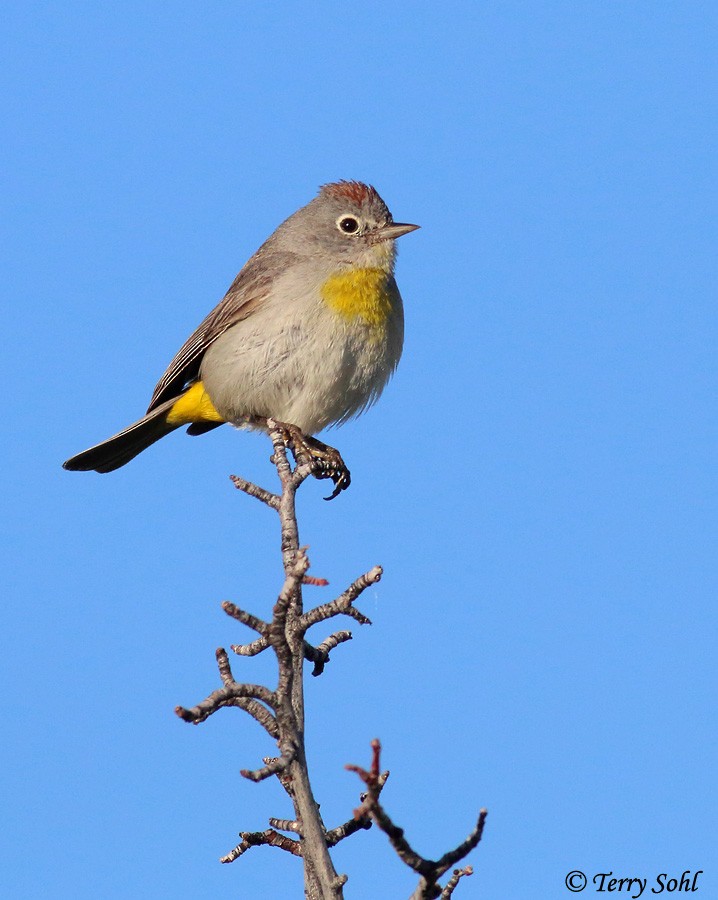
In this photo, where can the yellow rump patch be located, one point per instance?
(193, 406)
(360, 293)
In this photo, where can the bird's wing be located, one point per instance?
(246, 293)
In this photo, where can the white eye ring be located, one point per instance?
(348, 224)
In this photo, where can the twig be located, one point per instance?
(253, 649)
(286, 825)
(225, 696)
(347, 829)
(258, 838)
(251, 621)
(319, 655)
(274, 767)
(255, 491)
(454, 880)
(259, 713)
(429, 870)
(245, 618)
(225, 670)
(316, 582)
(343, 603)
(357, 822)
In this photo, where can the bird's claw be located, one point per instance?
(336, 470)
(325, 461)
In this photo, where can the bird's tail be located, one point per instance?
(120, 449)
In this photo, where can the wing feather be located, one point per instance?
(246, 293)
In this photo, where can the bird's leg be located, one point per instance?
(325, 461)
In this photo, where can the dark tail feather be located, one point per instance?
(202, 427)
(120, 449)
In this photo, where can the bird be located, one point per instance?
(307, 336)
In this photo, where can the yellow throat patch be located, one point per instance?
(193, 406)
(360, 294)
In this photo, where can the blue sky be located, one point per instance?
(538, 481)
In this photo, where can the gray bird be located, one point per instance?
(308, 335)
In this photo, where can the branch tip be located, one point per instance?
(258, 838)
(454, 880)
(254, 490)
(315, 582)
(273, 767)
(429, 870)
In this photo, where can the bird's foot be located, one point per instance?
(325, 461)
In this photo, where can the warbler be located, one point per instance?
(307, 335)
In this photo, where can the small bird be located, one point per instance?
(307, 335)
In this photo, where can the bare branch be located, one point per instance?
(286, 825)
(257, 839)
(296, 573)
(347, 829)
(272, 768)
(284, 777)
(315, 582)
(225, 696)
(253, 490)
(430, 870)
(251, 621)
(343, 603)
(319, 655)
(252, 649)
(260, 714)
(465, 847)
(281, 711)
(279, 457)
(358, 821)
(328, 644)
(454, 880)
(225, 670)
(245, 618)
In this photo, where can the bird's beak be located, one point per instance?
(394, 230)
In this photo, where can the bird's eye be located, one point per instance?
(348, 224)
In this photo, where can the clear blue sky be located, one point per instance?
(539, 480)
